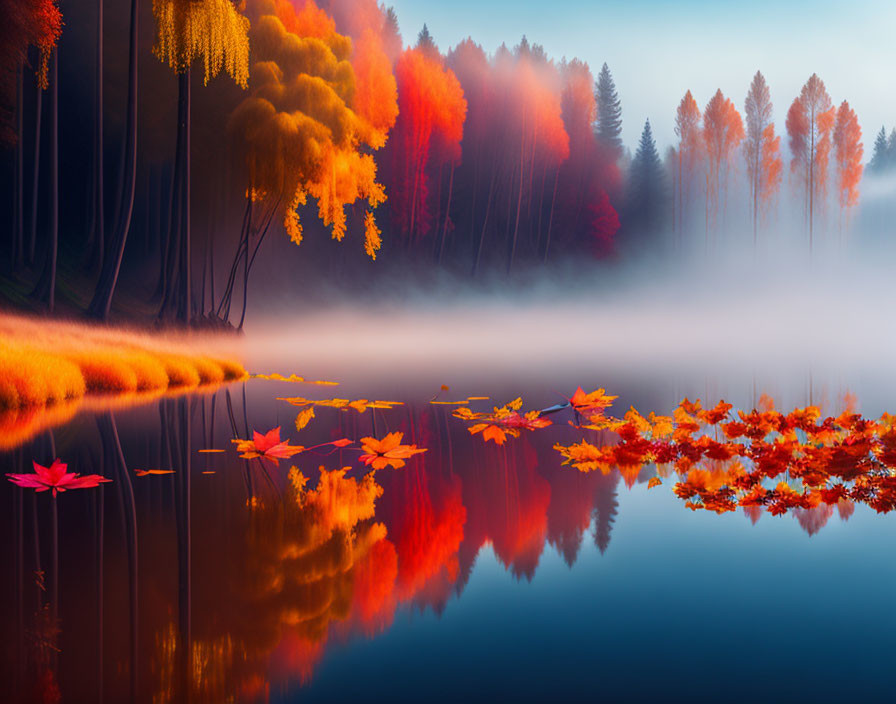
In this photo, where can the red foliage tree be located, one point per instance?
(432, 109)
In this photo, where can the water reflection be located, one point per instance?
(229, 579)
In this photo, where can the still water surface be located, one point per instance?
(476, 572)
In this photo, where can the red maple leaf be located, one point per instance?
(56, 477)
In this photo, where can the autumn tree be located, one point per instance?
(761, 147)
(46, 21)
(478, 174)
(428, 132)
(538, 127)
(809, 123)
(376, 90)
(215, 32)
(608, 122)
(848, 151)
(688, 153)
(297, 134)
(586, 215)
(25, 23)
(723, 131)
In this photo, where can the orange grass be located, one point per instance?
(45, 362)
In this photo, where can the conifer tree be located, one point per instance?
(647, 187)
(608, 126)
(426, 43)
(879, 158)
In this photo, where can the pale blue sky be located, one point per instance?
(658, 50)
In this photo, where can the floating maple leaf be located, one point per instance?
(388, 451)
(591, 404)
(56, 477)
(267, 446)
(502, 421)
(304, 417)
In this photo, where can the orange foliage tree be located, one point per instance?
(537, 124)
(689, 152)
(376, 91)
(809, 123)
(723, 131)
(762, 148)
(299, 134)
(848, 151)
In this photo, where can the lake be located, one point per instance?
(474, 572)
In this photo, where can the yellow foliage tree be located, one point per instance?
(299, 134)
(216, 32)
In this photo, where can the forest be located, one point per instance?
(160, 157)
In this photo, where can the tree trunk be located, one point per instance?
(488, 209)
(18, 234)
(447, 211)
(174, 278)
(99, 182)
(45, 290)
(547, 245)
(185, 304)
(811, 178)
(519, 201)
(35, 183)
(102, 298)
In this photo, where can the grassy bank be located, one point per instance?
(46, 362)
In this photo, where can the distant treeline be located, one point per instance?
(457, 158)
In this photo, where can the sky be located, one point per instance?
(658, 50)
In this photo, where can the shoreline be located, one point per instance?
(47, 361)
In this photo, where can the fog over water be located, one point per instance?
(768, 320)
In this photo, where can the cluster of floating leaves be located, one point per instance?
(503, 421)
(762, 459)
(720, 459)
(308, 405)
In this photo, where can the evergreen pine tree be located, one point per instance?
(891, 150)
(647, 186)
(608, 127)
(879, 159)
(426, 43)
